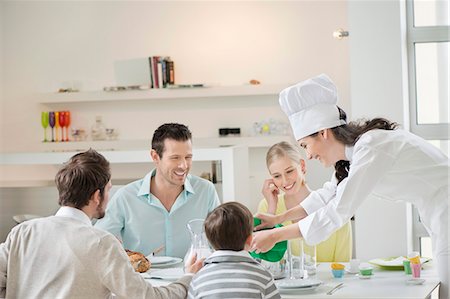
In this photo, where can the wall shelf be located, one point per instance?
(38, 169)
(144, 144)
(163, 93)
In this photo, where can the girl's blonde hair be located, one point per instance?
(283, 149)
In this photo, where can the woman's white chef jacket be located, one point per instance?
(394, 165)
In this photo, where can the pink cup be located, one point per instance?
(415, 269)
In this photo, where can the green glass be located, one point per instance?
(44, 123)
(276, 253)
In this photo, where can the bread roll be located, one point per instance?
(139, 262)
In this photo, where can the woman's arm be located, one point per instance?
(368, 167)
(321, 197)
(270, 220)
(263, 241)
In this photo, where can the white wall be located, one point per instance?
(48, 44)
(378, 89)
(1, 75)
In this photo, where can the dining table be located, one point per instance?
(383, 284)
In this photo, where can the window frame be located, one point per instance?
(422, 34)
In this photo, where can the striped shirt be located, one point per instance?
(232, 274)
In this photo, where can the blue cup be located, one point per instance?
(337, 273)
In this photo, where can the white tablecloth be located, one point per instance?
(382, 285)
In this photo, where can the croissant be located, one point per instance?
(139, 262)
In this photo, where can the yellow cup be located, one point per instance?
(414, 258)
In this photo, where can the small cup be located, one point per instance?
(337, 273)
(414, 257)
(365, 270)
(354, 265)
(415, 269)
(407, 267)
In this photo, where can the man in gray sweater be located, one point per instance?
(64, 256)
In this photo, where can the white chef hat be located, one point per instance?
(311, 106)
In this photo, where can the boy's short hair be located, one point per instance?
(228, 226)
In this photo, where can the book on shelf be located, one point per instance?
(170, 71)
(150, 66)
(162, 71)
(154, 71)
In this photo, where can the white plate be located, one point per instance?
(170, 274)
(394, 263)
(297, 283)
(298, 290)
(364, 276)
(415, 281)
(156, 260)
(349, 271)
(174, 261)
(24, 217)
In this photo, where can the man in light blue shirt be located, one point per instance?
(154, 211)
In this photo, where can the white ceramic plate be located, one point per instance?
(24, 217)
(170, 274)
(415, 281)
(297, 283)
(298, 290)
(174, 261)
(347, 269)
(364, 276)
(156, 260)
(394, 263)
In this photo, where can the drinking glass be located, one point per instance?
(296, 266)
(62, 123)
(44, 123)
(67, 123)
(309, 258)
(277, 269)
(57, 126)
(51, 122)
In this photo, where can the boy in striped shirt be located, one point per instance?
(230, 272)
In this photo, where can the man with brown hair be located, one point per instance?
(230, 271)
(63, 256)
(155, 210)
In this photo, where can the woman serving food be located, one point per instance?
(370, 157)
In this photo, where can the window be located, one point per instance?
(428, 42)
(428, 60)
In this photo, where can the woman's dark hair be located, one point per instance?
(172, 131)
(228, 226)
(349, 134)
(81, 177)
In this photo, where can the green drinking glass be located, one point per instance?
(44, 123)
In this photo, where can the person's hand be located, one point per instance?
(270, 192)
(267, 220)
(193, 265)
(263, 241)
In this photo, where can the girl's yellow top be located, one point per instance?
(337, 248)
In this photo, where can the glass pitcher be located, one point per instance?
(199, 242)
